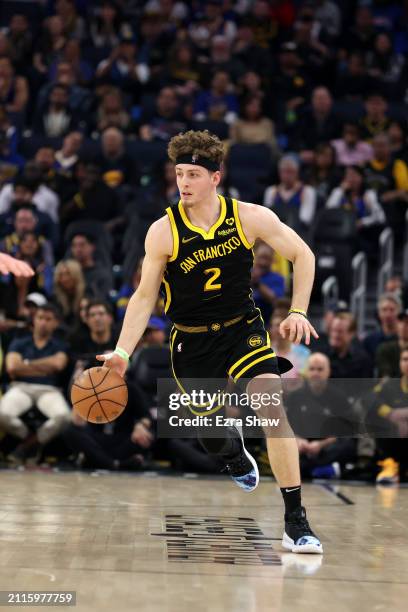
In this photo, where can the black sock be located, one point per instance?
(292, 498)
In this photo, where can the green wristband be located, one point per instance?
(122, 353)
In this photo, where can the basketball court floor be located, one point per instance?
(163, 543)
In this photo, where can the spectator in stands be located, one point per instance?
(11, 163)
(50, 44)
(79, 331)
(67, 157)
(252, 127)
(253, 58)
(219, 103)
(21, 40)
(222, 60)
(123, 69)
(320, 415)
(314, 45)
(293, 202)
(360, 37)
(209, 23)
(155, 333)
(127, 289)
(33, 251)
(115, 163)
(375, 120)
(98, 280)
(348, 358)
(266, 284)
(388, 353)
(165, 120)
(58, 118)
(297, 354)
(328, 15)
(44, 198)
(387, 419)
(82, 69)
(34, 364)
(69, 289)
(350, 150)
(389, 178)
(353, 81)
(384, 65)
(388, 308)
(319, 124)
(13, 88)
(79, 98)
(292, 83)
(263, 26)
(323, 174)
(112, 113)
(25, 220)
(74, 25)
(24, 191)
(93, 200)
(61, 184)
(107, 27)
(102, 335)
(182, 71)
(397, 133)
(353, 195)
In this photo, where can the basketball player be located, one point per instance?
(202, 252)
(14, 266)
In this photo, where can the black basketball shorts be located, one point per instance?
(240, 351)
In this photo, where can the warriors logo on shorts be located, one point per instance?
(254, 341)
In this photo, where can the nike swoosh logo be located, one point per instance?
(251, 320)
(184, 240)
(290, 490)
(212, 297)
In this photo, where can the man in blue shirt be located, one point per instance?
(34, 364)
(266, 285)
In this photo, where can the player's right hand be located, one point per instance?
(15, 266)
(115, 362)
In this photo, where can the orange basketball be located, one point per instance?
(99, 395)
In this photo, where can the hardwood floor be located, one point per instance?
(163, 543)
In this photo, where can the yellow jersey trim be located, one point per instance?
(239, 226)
(248, 355)
(252, 364)
(168, 295)
(175, 235)
(180, 386)
(199, 230)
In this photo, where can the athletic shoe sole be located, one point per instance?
(250, 457)
(289, 544)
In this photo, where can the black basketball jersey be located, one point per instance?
(208, 276)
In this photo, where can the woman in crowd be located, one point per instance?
(253, 127)
(69, 289)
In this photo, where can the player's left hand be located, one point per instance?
(295, 326)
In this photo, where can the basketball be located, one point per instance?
(99, 395)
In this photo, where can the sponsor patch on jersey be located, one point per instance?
(255, 340)
(225, 232)
(230, 221)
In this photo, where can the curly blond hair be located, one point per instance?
(202, 144)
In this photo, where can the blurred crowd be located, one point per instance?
(310, 98)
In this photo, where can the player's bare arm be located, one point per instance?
(260, 222)
(158, 246)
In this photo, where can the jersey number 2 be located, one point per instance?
(209, 285)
